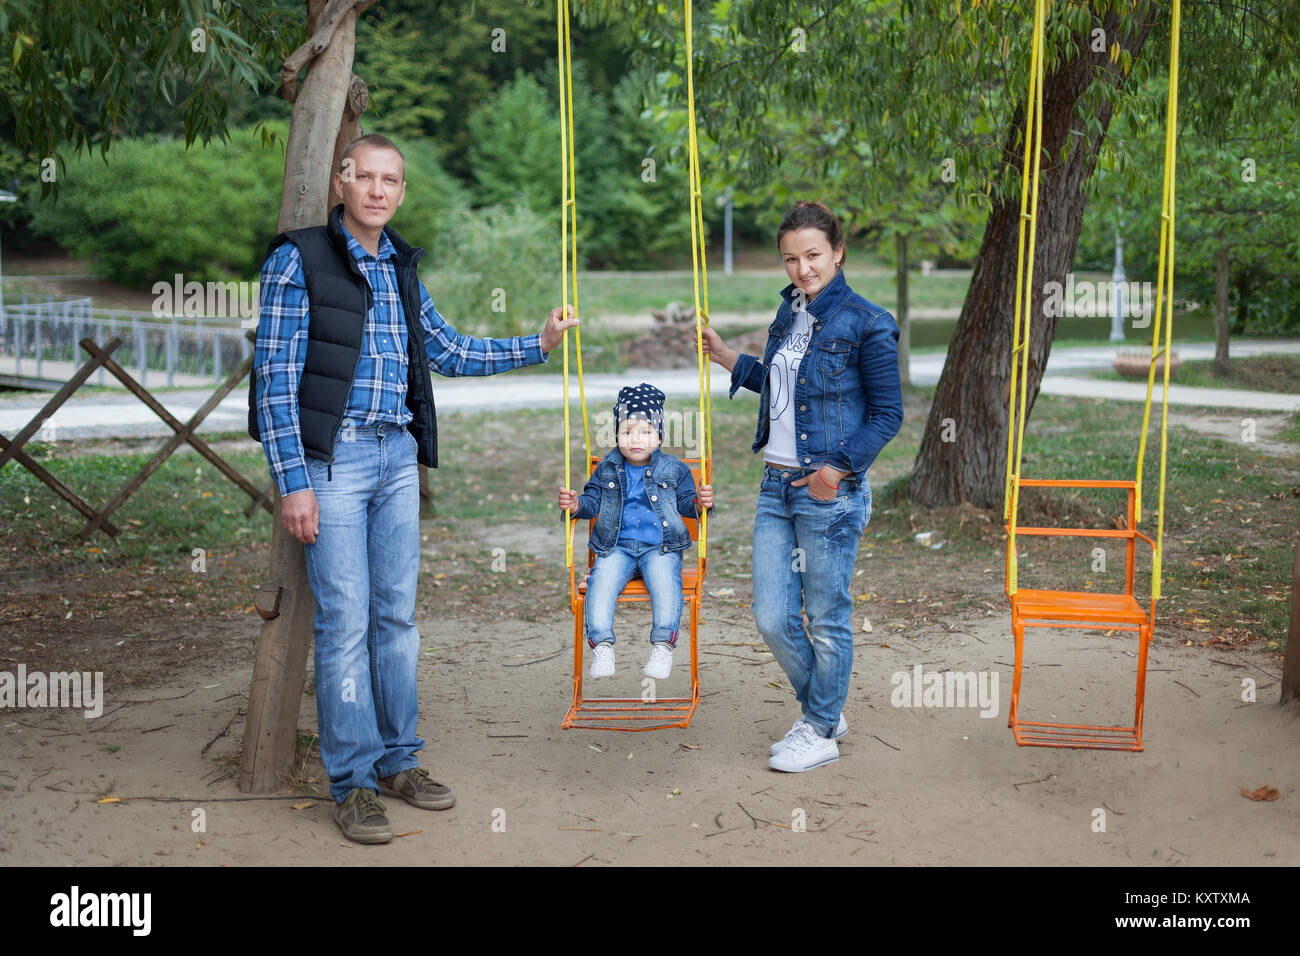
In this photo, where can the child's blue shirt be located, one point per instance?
(639, 521)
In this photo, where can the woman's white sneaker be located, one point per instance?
(806, 751)
(841, 729)
(660, 664)
(602, 661)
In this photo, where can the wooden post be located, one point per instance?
(426, 494)
(285, 602)
(1291, 660)
(280, 670)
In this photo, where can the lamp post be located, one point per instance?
(727, 259)
(1119, 285)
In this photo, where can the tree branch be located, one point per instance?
(318, 41)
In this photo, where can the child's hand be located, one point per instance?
(568, 499)
(705, 495)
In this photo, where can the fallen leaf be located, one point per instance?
(300, 806)
(1263, 793)
(407, 833)
(109, 800)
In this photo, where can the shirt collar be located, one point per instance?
(386, 250)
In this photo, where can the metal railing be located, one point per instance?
(45, 331)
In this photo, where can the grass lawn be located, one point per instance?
(631, 293)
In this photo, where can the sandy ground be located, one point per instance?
(914, 785)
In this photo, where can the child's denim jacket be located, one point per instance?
(669, 485)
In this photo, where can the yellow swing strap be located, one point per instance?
(569, 253)
(1024, 291)
(1164, 306)
(700, 281)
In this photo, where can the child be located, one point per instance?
(637, 495)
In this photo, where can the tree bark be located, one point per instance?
(1221, 312)
(904, 326)
(317, 113)
(974, 387)
(285, 602)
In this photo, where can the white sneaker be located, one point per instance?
(661, 661)
(841, 729)
(602, 660)
(805, 751)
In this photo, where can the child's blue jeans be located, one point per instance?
(662, 573)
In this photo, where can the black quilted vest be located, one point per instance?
(339, 298)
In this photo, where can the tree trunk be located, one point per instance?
(317, 113)
(1221, 312)
(285, 602)
(1243, 296)
(904, 326)
(974, 387)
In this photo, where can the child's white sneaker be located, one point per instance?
(806, 751)
(660, 663)
(602, 660)
(841, 729)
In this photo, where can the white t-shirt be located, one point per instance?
(781, 378)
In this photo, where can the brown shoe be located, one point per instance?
(416, 788)
(361, 817)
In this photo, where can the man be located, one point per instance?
(342, 403)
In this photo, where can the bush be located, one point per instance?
(498, 275)
(156, 208)
(626, 218)
(497, 272)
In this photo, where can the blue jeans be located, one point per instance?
(363, 569)
(662, 572)
(804, 552)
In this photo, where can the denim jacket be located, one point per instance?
(848, 398)
(669, 485)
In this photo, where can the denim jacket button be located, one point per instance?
(803, 381)
(611, 484)
(654, 497)
(665, 524)
(803, 437)
(803, 408)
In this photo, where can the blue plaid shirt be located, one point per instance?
(378, 391)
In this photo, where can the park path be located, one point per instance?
(111, 415)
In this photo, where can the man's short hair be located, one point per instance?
(375, 140)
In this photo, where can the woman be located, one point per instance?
(829, 401)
